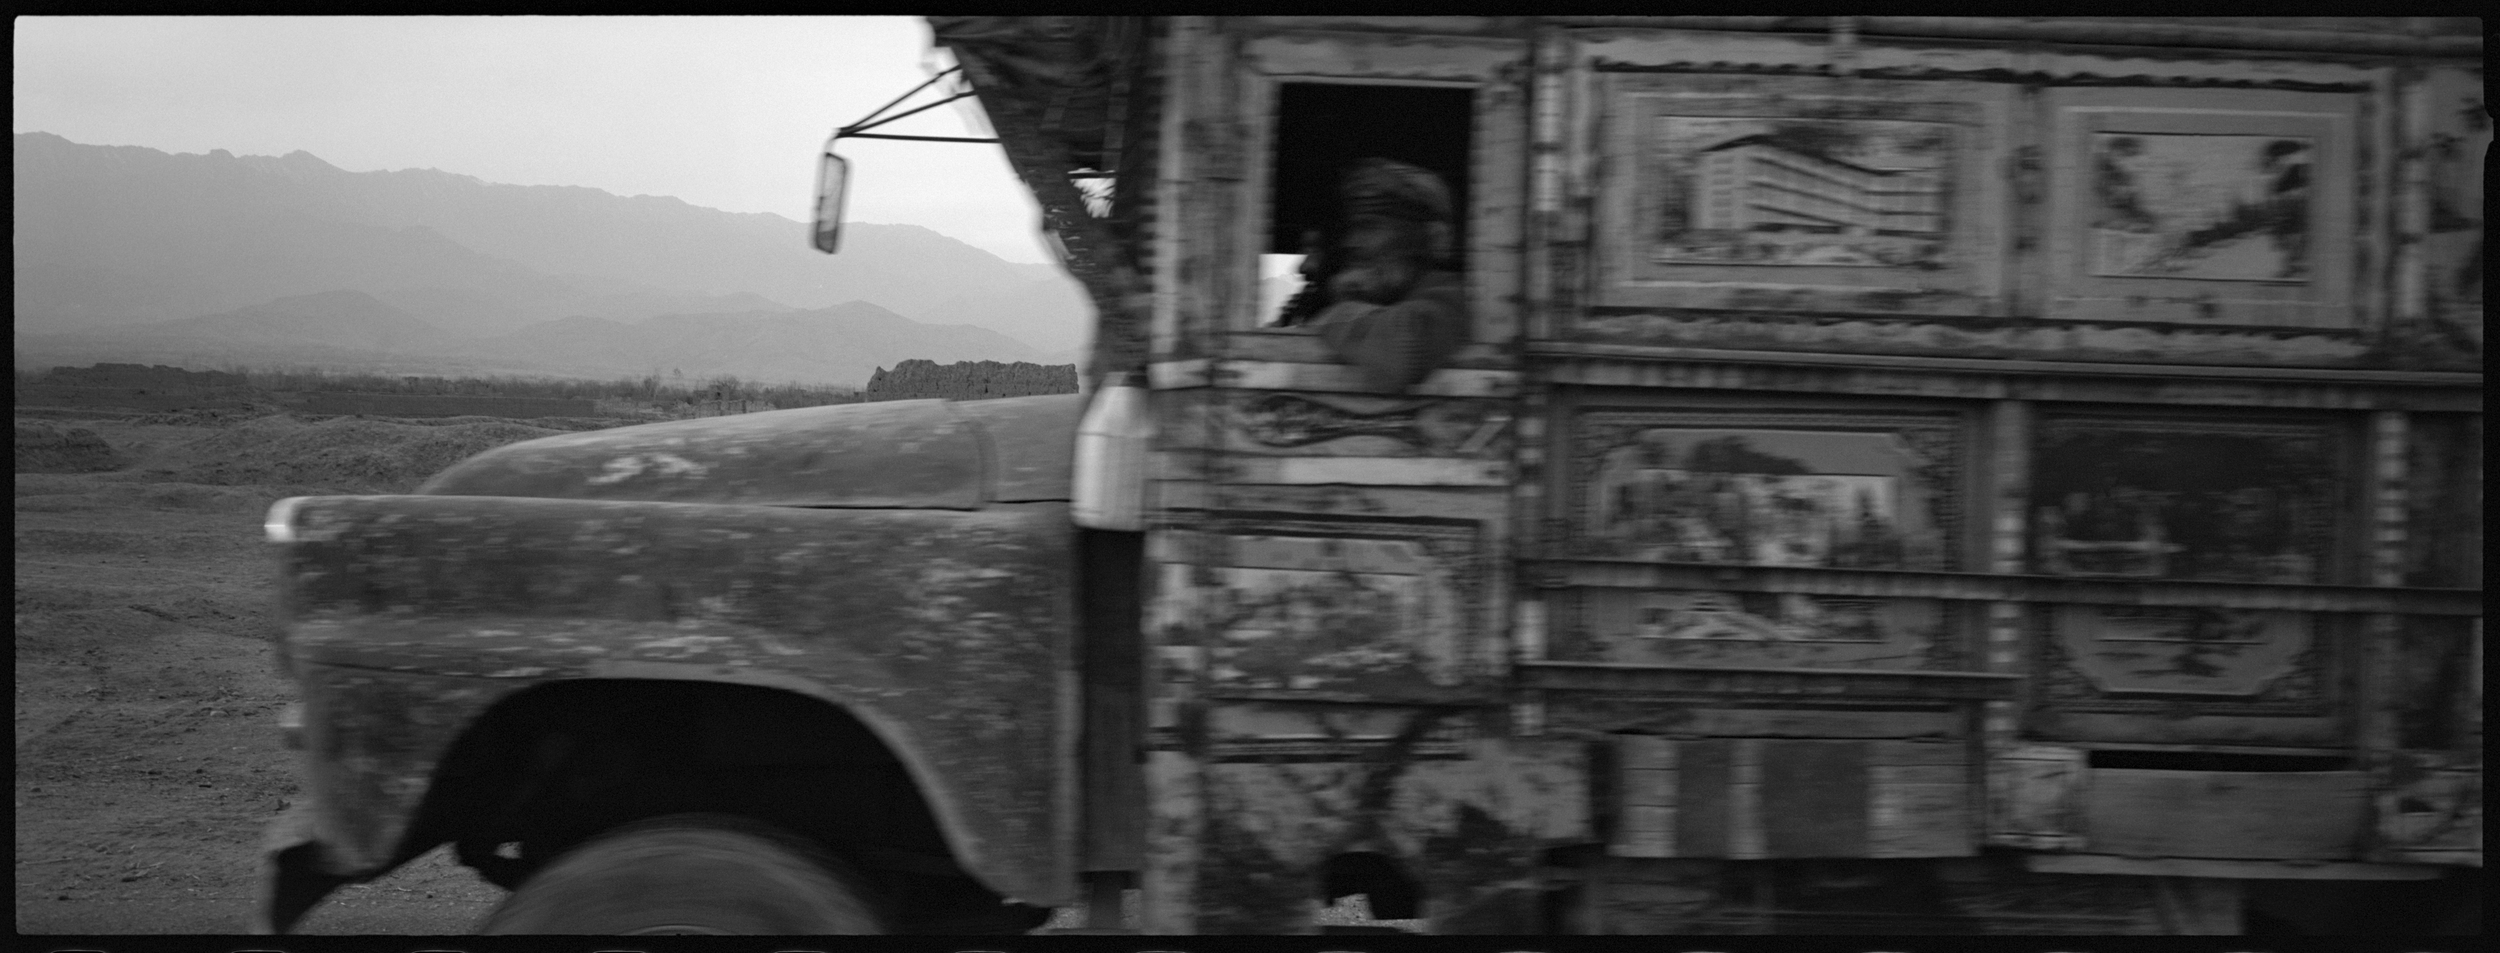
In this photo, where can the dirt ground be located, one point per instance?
(148, 756)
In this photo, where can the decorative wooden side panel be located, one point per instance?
(2189, 498)
(1795, 194)
(2245, 500)
(1322, 545)
(1768, 487)
(1286, 424)
(2176, 281)
(1761, 487)
(2181, 677)
(2207, 206)
(1335, 608)
(1748, 798)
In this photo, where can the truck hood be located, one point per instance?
(907, 453)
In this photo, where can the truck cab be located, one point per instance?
(1889, 474)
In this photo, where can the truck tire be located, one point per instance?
(688, 873)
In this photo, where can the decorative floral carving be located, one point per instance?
(1434, 427)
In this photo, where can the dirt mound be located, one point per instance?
(357, 454)
(207, 416)
(543, 423)
(44, 448)
(445, 405)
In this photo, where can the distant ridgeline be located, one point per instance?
(969, 380)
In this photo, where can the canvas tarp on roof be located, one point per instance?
(1070, 95)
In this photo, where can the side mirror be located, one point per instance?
(833, 173)
(833, 181)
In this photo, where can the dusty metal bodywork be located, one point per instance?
(941, 618)
(904, 453)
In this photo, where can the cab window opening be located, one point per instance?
(1322, 131)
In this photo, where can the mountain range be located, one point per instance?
(129, 253)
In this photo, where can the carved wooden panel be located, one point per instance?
(1974, 337)
(1328, 608)
(1689, 627)
(2218, 207)
(1290, 424)
(1788, 193)
(2153, 659)
(2205, 676)
(2179, 652)
(2182, 498)
(1762, 488)
(1767, 488)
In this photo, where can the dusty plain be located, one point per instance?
(148, 755)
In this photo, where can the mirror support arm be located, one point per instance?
(877, 135)
(872, 122)
(833, 175)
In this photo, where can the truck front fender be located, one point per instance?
(945, 632)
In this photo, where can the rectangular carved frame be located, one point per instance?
(2331, 123)
(1220, 554)
(1939, 436)
(1917, 634)
(1631, 107)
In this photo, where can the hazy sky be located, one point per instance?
(724, 112)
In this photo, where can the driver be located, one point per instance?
(1397, 306)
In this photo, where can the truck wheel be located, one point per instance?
(688, 873)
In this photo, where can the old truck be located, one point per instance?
(1902, 474)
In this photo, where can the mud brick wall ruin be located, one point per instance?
(969, 380)
(156, 378)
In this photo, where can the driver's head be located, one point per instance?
(1397, 229)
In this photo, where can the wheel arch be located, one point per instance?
(438, 816)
